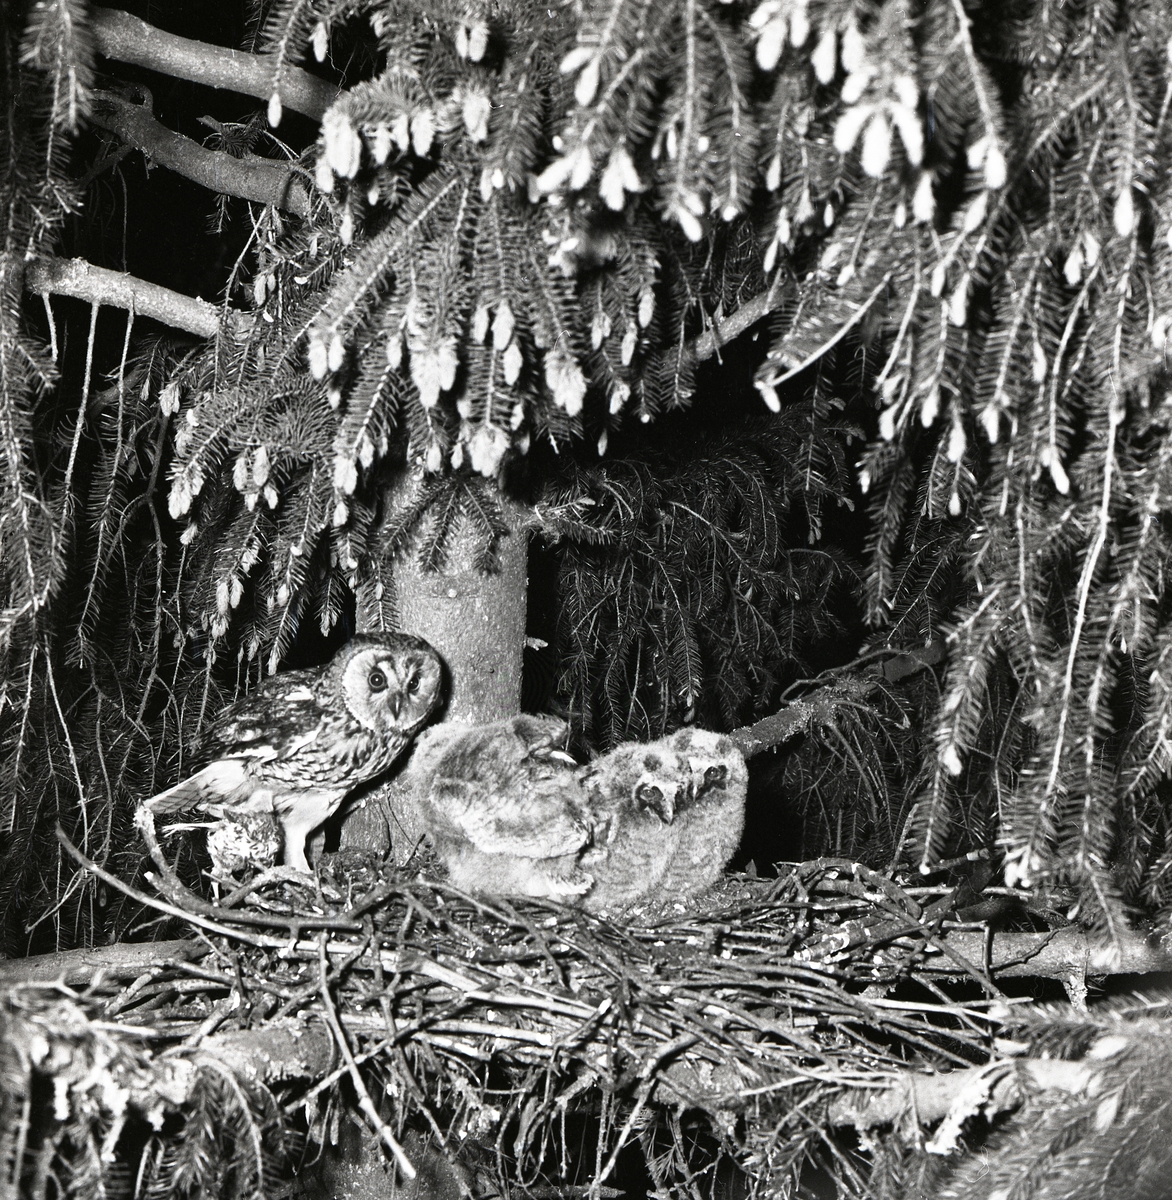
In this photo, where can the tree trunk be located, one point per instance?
(477, 623)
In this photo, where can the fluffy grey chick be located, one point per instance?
(633, 794)
(502, 806)
(710, 817)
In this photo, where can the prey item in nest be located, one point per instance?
(512, 815)
(243, 841)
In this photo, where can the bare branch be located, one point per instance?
(250, 178)
(931, 1097)
(120, 36)
(1064, 954)
(820, 707)
(303, 1049)
(725, 330)
(281, 1049)
(82, 280)
(77, 968)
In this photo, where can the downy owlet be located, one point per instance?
(511, 815)
(502, 806)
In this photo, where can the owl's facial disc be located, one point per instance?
(388, 687)
(368, 686)
(421, 682)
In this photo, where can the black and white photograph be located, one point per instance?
(586, 600)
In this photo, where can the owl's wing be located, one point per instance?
(538, 732)
(214, 784)
(533, 822)
(274, 722)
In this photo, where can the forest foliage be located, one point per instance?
(527, 223)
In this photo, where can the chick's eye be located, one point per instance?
(377, 681)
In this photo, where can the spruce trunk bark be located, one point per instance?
(477, 623)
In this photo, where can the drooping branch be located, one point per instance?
(126, 38)
(251, 178)
(120, 36)
(82, 280)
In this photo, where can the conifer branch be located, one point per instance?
(97, 285)
(800, 716)
(725, 330)
(840, 331)
(127, 39)
(263, 180)
(1114, 416)
(931, 1097)
(289, 1049)
(122, 960)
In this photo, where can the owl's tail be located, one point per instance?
(215, 784)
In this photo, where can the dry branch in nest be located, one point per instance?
(533, 1042)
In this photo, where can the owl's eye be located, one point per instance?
(377, 681)
(413, 684)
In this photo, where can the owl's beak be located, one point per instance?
(395, 703)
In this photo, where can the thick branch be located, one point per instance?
(76, 968)
(931, 1097)
(120, 36)
(77, 278)
(251, 178)
(820, 707)
(277, 1050)
(1063, 954)
(300, 1049)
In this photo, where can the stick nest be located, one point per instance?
(530, 1043)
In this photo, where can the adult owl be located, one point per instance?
(668, 816)
(298, 744)
(502, 806)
